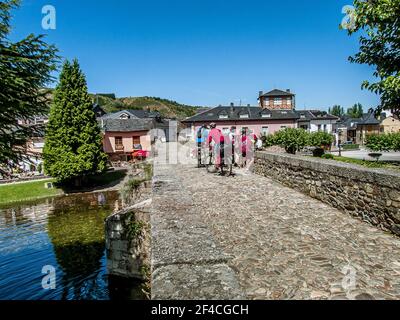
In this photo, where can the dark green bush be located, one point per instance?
(318, 152)
(327, 156)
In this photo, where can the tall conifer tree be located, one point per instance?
(73, 145)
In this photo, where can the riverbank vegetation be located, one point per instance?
(33, 190)
(26, 191)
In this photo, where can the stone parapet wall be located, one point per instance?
(372, 195)
(128, 242)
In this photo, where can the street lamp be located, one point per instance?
(340, 141)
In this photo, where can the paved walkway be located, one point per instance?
(282, 244)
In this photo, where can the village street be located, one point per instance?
(281, 244)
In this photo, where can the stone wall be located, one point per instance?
(372, 195)
(128, 243)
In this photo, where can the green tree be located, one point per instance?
(73, 144)
(356, 111)
(25, 68)
(321, 141)
(380, 47)
(337, 111)
(291, 139)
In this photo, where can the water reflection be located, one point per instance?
(68, 233)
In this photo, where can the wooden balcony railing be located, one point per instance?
(119, 147)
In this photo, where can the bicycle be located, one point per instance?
(225, 168)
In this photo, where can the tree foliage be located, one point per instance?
(320, 139)
(383, 142)
(356, 111)
(73, 144)
(380, 47)
(337, 111)
(25, 68)
(291, 139)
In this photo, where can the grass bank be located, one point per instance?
(369, 164)
(34, 190)
(26, 191)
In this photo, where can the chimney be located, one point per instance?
(260, 93)
(232, 107)
(288, 90)
(232, 104)
(248, 104)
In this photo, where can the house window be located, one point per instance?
(265, 131)
(136, 140)
(319, 127)
(244, 116)
(289, 101)
(325, 128)
(284, 112)
(277, 101)
(119, 144)
(266, 115)
(283, 127)
(225, 131)
(266, 102)
(302, 116)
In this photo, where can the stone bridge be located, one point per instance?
(248, 237)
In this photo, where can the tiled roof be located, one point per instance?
(366, 119)
(228, 113)
(127, 125)
(138, 114)
(315, 115)
(277, 93)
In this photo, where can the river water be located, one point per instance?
(62, 234)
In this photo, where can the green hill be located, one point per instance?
(165, 107)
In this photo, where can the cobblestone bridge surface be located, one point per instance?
(250, 237)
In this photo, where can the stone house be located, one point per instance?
(390, 124)
(315, 121)
(274, 112)
(126, 130)
(356, 130)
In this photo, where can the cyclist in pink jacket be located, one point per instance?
(216, 143)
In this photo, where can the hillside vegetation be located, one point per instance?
(165, 107)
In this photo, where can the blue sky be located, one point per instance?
(207, 52)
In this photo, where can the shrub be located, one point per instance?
(318, 152)
(379, 143)
(268, 140)
(327, 156)
(350, 147)
(320, 140)
(396, 141)
(291, 139)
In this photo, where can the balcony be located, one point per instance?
(119, 148)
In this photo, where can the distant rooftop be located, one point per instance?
(227, 113)
(276, 93)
